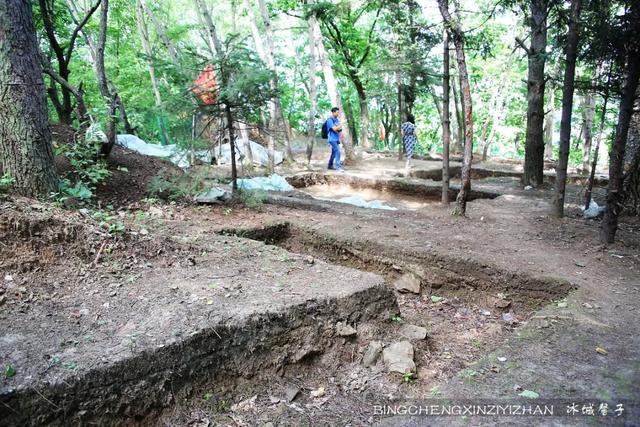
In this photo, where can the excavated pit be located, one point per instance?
(395, 192)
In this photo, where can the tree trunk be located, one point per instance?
(534, 143)
(160, 31)
(549, 123)
(458, 41)
(567, 107)
(400, 114)
(110, 96)
(313, 96)
(458, 140)
(588, 112)
(212, 36)
(232, 147)
(348, 110)
(334, 96)
(615, 193)
(446, 121)
(25, 135)
(93, 50)
(278, 119)
(365, 142)
(497, 118)
(594, 164)
(146, 45)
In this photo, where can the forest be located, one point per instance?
(175, 152)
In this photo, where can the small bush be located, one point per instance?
(6, 181)
(251, 199)
(170, 187)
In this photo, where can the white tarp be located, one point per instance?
(359, 201)
(181, 157)
(259, 153)
(268, 183)
(594, 210)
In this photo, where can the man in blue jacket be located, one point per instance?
(333, 137)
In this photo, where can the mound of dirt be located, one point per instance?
(131, 172)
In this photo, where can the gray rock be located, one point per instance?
(371, 353)
(408, 282)
(398, 357)
(345, 330)
(290, 393)
(214, 195)
(413, 332)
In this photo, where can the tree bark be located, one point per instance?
(549, 123)
(93, 50)
(458, 41)
(534, 143)
(160, 31)
(589, 110)
(212, 35)
(63, 108)
(458, 141)
(594, 164)
(446, 121)
(334, 96)
(25, 135)
(557, 208)
(146, 45)
(313, 96)
(111, 97)
(401, 114)
(232, 147)
(615, 193)
(277, 120)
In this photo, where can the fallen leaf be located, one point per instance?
(530, 394)
(601, 350)
(318, 393)
(435, 298)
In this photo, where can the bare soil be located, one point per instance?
(566, 293)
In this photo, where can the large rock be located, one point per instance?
(398, 357)
(213, 195)
(408, 282)
(371, 354)
(345, 330)
(413, 332)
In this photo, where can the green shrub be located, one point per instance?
(171, 187)
(6, 181)
(251, 199)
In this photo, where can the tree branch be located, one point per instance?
(79, 27)
(523, 46)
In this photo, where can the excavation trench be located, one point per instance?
(469, 308)
(394, 192)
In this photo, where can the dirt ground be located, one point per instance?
(572, 332)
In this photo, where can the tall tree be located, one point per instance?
(567, 108)
(446, 121)
(313, 96)
(549, 122)
(74, 11)
(615, 190)
(536, 53)
(588, 112)
(455, 31)
(212, 35)
(334, 95)
(63, 52)
(354, 48)
(146, 45)
(25, 136)
(277, 116)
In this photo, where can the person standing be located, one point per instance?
(408, 130)
(334, 127)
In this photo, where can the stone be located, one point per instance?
(213, 195)
(408, 282)
(413, 332)
(398, 357)
(371, 353)
(291, 393)
(502, 303)
(345, 330)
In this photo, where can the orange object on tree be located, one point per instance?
(204, 87)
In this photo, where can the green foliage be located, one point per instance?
(6, 181)
(251, 199)
(9, 371)
(108, 221)
(78, 191)
(174, 187)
